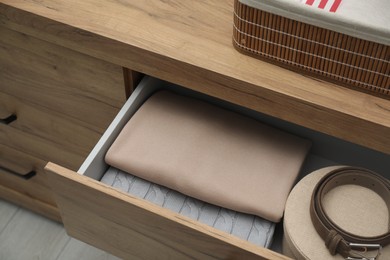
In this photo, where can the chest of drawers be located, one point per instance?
(63, 60)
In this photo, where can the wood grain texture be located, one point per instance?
(169, 40)
(22, 163)
(33, 193)
(22, 152)
(26, 201)
(60, 80)
(63, 131)
(39, 147)
(110, 219)
(63, 100)
(132, 79)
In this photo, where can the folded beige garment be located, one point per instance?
(211, 154)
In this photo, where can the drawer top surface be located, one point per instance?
(189, 43)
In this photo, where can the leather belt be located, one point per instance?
(336, 239)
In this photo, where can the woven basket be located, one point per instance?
(346, 60)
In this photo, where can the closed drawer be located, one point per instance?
(16, 166)
(60, 80)
(61, 101)
(27, 142)
(22, 175)
(41, 123)
(39, 147)
(133, 228)
(25, 148)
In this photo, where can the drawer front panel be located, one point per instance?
(39, 147)
(71, 134)
(16, 164)
(59, 79)
(132, 228)
(62, 101)
(32, 191)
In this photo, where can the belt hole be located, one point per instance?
(354, 179)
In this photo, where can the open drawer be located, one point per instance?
(133, 228)
(129, 227)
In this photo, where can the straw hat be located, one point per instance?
(356, 209)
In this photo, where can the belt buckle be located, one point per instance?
(360, 249)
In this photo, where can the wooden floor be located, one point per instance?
(25, 235)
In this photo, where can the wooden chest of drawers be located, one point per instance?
(169, 41)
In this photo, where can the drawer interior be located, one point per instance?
(129, 227)
(326, 150)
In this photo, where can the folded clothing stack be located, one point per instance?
(245, 226)
(210, 154)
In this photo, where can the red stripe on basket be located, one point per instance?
(335, 5)
(310, 2)
(322, 4)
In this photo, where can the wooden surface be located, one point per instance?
(189, 43)
(34, 192)
(24, 200)
(52, 79)
(25, 235)
(132, 79)
(46, 126)
(110, 219)
(63, 100)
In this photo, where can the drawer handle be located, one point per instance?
(8, 120)
(25, 176)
